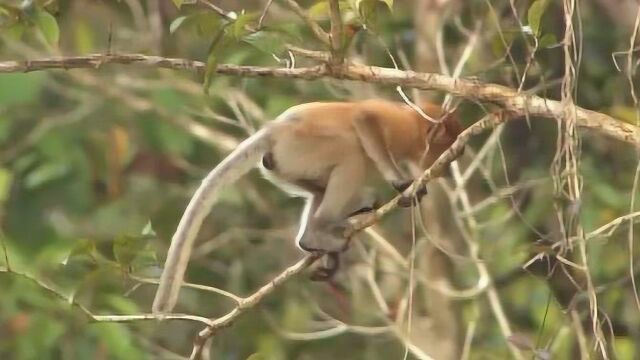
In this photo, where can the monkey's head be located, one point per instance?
(440, 136)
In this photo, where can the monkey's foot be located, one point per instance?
(327, 271)
(325, 239)
(408, 201)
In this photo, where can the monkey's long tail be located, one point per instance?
(238, 163)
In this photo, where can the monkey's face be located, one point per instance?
(441, 140)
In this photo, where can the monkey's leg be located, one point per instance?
(310, 208)
(332, 261)
(369, 202)
(327, 225)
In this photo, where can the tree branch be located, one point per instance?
(248, 303)
(517, 103)
(336, 33)
(101, 318)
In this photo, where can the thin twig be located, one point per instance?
(264, 13)
(212, 289)
(101, 318)
(315, 28)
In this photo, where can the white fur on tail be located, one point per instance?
(238, 163)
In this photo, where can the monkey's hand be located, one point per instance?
(408, 201)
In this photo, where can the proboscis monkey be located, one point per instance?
(329, 152)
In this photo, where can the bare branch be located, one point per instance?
(264, 13)
(212, 289)
(518, 104)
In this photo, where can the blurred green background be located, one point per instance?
(97, 165)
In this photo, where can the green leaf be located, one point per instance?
(17, 89)
(212, 64)
(175, 24)
(270, 347)
(127, 248)
(6, 178)
(119, 339)
(534, 15)
(267, 41)
(15, 32)
(240, 24)
(202, 23)
(148, 230)
(48, 26)
(84, 248)
(625, 345)
(178, 3)
(367, 11)
(498, 46)
(547, 40)
(121, 304)
(207, 24)
(389, 4)
(46, 173)
(9, 15)
(321, 10)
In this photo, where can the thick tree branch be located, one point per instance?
(517, 103)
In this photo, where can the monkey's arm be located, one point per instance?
(370, 135)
